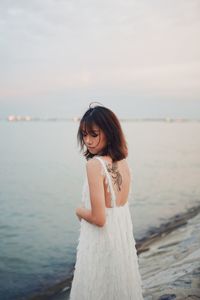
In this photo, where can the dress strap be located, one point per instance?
(108, 181)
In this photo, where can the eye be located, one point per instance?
(93, 134)
(84, 133)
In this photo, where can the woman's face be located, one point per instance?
(94, 140)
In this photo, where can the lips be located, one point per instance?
(91, 148)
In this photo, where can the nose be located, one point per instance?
(87, 140)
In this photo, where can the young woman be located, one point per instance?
(106, 263)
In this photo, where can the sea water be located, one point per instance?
(41, 177)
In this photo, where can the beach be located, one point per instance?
(170, 269)
(140, 62)
(169, 261)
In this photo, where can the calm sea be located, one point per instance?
(41, 177)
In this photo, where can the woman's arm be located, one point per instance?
(97, 213)
(84, 213)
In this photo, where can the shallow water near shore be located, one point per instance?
(41, 179)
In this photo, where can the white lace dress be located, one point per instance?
(106, 265)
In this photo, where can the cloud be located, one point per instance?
(138, 46)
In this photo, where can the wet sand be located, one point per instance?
(169, 259)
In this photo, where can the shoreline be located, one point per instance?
(156, 233)
(60, 291)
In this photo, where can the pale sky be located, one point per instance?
(140, 58)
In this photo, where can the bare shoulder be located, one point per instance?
(124, 162)
(126, 166)
(93, 165)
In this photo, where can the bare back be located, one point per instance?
(121, 179)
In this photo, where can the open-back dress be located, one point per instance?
(106, 265)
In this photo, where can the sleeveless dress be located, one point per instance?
(106, 265)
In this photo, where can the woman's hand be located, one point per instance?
(78, 213)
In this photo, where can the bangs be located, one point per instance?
(87, 125)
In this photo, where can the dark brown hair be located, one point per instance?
(108, 122)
